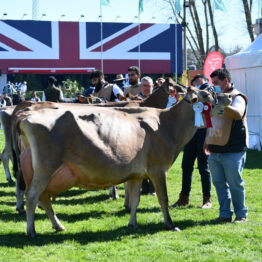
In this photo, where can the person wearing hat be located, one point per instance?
(119, 81)
(194, 150)
(103, 90)
(52, 92)
(134, 80)
(7, 99)
(2, 101)
(159, 82)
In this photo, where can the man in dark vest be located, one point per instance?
(103, 90)
(53, 93)
(194, 150)
(226, 142)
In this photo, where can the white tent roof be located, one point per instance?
(250, 57)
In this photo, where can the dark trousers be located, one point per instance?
(193, 150)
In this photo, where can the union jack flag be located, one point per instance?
(45, 44)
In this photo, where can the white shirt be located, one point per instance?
(240, 104)
(171, 101)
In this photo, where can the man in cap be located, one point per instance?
(52, 93)
(159, 82)
(145, 88)
(119, 81)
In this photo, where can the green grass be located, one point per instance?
(97, 226)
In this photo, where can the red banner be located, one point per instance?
(213, 61)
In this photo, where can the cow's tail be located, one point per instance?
(16, 153)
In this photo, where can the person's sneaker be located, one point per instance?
(153, 193)
(206, 202)
(240, 220)
(182, 201)
(222, 220)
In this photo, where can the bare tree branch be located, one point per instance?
(211, 15)
(248, 20)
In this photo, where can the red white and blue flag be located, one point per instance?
(64, 45)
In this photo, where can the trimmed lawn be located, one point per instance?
(97, 226)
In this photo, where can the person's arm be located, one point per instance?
(237, 110)
(61, 96)
(118, 92)
(43, 97)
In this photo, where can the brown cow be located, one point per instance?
(100, 147)
(158, 100)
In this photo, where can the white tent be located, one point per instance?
(246, 71)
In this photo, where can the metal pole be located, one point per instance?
(139, 47)
(101, 31)
(184, 23)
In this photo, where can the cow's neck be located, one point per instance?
(158, 99)
(179, 124)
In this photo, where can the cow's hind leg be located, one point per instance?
(159, 181)
(20, 193)
(113, 193)
(32, 198)
(5, 160)
(134, 194)
(45, 203)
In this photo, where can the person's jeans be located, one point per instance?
(226, 169)
(193, 150)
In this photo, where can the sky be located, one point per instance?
(230, 23)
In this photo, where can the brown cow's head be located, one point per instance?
(195, 95)
(171, 84)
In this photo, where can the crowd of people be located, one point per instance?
(220, 155)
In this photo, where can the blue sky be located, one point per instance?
(230, 23)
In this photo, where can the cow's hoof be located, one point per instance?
(127, 208)
(177, 229)
(20, 211)
(134, 226)
(59, 228)
(32, 234)
(173, 228)
(10, 182)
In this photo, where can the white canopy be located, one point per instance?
(246, 71)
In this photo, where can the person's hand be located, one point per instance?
(82, 99)
(206, 150)
(121, 98)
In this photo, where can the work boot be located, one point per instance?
(182, 201)
(206, 202)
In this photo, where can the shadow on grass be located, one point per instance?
(79, 201)
(19, 240)
(253, 160)
(6, 184)
(69, 218)
(3, 193)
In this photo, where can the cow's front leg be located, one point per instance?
(127, 198)
(159, 181)
(45, 203)
(134, 194)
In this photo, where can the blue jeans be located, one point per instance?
(226, 169)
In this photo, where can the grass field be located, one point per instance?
(97, 226)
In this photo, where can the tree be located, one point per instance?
(247, 9)
(198, 39)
